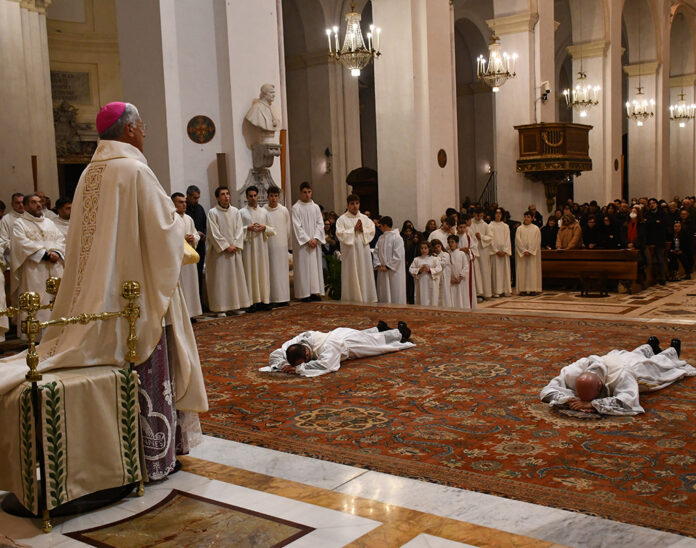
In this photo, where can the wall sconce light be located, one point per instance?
(329, 156)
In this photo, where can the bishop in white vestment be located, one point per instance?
(501, 250)
(308, 237)
(188, 279)
(390, 258)
(620, 375)
(482, 266)
(528, 250)
(37, 251)
(278, 245)
(355, 231)
(257, 231)
(224, 271)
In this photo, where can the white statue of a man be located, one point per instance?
(262, 117)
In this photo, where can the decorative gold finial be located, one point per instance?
(29, 302)
(131, 291)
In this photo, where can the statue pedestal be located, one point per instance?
(260, 178)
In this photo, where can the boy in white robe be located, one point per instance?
(468, 244)
(426, 271)
(459, 277)
(224, 279)
(390, 258)
(445, 284)
(188, 279)
(314, 353)
(6, 227)
(355, 231)
(37, 251)
(257, 231)
(278, 245)
(308, 237)
(445, 230)
(480, 229)
(500, 257)
(610, 384)
(528, 250)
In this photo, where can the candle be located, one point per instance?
(379, 38)
(369, 41)
(335, 29)
(328, 35)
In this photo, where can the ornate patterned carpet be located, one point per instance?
(461, 408)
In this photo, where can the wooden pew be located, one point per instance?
(590, 264)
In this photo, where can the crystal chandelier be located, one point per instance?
(354, 55)
(583, 97)
(681, 112)
(499, 68)
(640, 109)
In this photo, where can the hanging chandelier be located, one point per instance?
(681, 112)
(583, 97)
(498, 69)
(640, 109)
(354, 55)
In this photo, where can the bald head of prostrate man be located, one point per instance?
(588, 386)
(121, 122)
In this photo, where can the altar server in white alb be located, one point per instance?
(308, 237)
(4, 322)
(459, 274)
(469, 246)
(314, 353)
(6, 224)
(441, 254)
(188, 279)
(278, 245)
(355, 231)
(37, 252)
(500, 257)
(482, 266)
(426, 271)
(610, 384)
(62, 219)
(390, 260)
(224, 278)
(528, 250)
(257, 231)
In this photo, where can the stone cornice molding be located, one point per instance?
(304, 60)
(683, 80)
(78, 42)
(642, 69)
(38, 6)
(588, 49)
(511, 24)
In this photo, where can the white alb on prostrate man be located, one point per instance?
(278, 246)
(314, 353)
(126, 228)
(390, 263)
(188, 279)
(355, 231)
(37, 251)
(257, 231)
(308, 237)
(224, 270)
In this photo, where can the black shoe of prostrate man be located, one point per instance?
(405, 332)
(676, 344)
(655, 345)
(382, 326)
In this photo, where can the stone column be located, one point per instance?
(643, 155)
(545, 46)
(515, 105)
(25, 91)
(591, 185)
(614, 110)
(182, 58)
(681, 173)
(415, 107)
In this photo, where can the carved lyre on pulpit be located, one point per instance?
(29, 305)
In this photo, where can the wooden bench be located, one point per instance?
(589, 265)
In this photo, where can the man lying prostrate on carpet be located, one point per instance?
(610, 384)
(314, 353)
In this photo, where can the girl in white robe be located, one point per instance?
(426, 271)
(444, 257)
(459, 279)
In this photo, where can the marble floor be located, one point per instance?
(348, 506)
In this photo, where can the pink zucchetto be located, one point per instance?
(108, 115)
